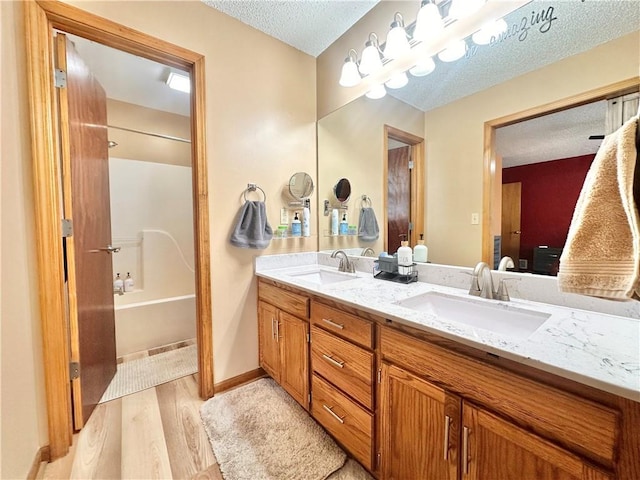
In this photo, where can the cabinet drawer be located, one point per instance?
(350, 424)
(347, 366)
(574, 422)
(343, 324)
(293, 303)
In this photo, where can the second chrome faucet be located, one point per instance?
(346, 265)
(482, 284)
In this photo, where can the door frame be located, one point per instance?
(489, 154)
(417, 180)
(41, 17)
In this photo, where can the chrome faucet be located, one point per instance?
(482, 282)
(345, 264)
(506, 262)
(368, 251)
(119, 290)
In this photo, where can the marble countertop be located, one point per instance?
(596, 349)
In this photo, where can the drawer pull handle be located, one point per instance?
(333, 324)
(447, 428)
(273, 328)
(330, 359)
(465, 450)
(334, 414)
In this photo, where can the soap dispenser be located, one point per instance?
(296, 226)
(344, 226)
(128, 283)
(420, 251)
(405, 260)
(118, 284)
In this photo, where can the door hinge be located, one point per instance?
(410, 226)
(74, 370)
(410, 164)
(379, 375)
(67, 227)
(60, 78)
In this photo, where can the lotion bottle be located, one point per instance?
(305, 222)
(405, 260)
(344, 226)
(334, 221)
(118, 284)
(420, 251)
(128, 283)
(296, 227)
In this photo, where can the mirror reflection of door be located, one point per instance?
(398, 194)
(403, 188)
(511, 203)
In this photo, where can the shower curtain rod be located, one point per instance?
(158, 135)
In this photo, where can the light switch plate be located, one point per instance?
(284, 216)
(475, 218)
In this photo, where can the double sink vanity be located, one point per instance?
(424, 381)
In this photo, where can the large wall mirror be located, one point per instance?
(519, 78)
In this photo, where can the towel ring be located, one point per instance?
(365, 202)
(252, 187)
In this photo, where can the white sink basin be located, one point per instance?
(319, 276)
(507, 320)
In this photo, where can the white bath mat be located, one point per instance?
(137, 375)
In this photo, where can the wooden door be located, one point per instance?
(511, 204)
(294, 357)
(85, 165)
(420, 428)
(499, 450)
(398, 196)
(269, 349)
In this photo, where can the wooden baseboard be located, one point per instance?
(239, 380)
(42, 455)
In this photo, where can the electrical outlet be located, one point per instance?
(475, 218)
(284, 216)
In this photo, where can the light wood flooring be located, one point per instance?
(156, 433)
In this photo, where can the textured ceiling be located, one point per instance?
(308, 25)
(552, 137)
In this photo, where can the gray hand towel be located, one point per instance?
(368, 230)
(252, 229)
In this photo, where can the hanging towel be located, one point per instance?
(368, 225)
(252, 229)
(602, 254)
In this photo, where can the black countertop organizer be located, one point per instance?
(389, 270)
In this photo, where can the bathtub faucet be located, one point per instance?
(119, 290)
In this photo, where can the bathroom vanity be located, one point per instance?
(413, 395)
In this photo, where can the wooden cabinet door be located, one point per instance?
(420, 428)
(294, 357)
(495, 448)
(268, 343)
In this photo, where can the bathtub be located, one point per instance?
(153, 323)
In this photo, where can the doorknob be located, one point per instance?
(108, 249)
(516, 232)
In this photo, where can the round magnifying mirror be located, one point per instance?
(300, 185)
(342, 190)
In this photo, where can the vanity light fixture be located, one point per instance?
(397, 40)
(350, 76)
(454, 51)
(371, 61)
(441, 27)
(378, 91)
(179, 81)
(399, 80)
(429, 24)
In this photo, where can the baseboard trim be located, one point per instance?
(42, 455)
(239, 380)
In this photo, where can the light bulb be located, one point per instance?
(371, 61)
(453, 52)
(429, 23)
(424, 67)
(397, 41)
(399, 80)
(376, 92)
(350, 76)
(492, 29)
